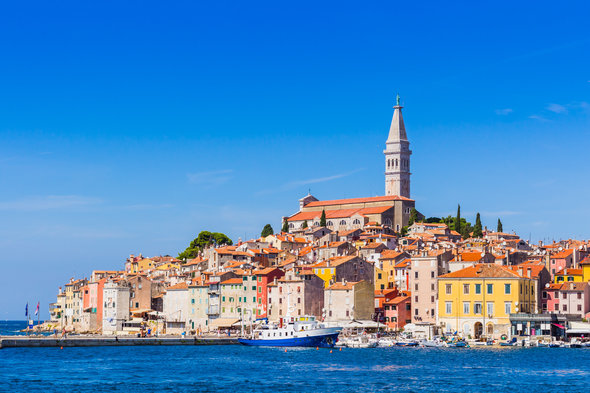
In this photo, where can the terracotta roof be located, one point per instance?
(340, 286)
(358, 200)
(562, 254)
(265, 271)
(180, 285)
(469, 256)
(483, 270)
(574, 286)
(390, 254)
(397, 300)
(232, 281)
(567, 272)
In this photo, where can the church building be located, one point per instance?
(392, 210)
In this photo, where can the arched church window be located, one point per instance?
(291, 225)
(329, 223)
(387, 221)
(342, 222)
(317, 223)
(356, 222)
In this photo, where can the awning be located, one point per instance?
(578, 331)
(558, 325)
(222, 323)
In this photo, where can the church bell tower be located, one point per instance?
(397, 156)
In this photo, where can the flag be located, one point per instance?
(37, 310)
(27, 310)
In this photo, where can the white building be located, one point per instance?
(176, 308)
(116, 307)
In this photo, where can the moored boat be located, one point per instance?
(302, 331)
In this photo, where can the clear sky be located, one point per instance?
(128, 127)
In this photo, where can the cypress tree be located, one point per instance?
(285, 226)
(305, 224)
(413, 216)
(477, 229)
(267, 230)
(458, 219)
(499, 229)
(323, 219)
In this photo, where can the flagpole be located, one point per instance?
(38, 315)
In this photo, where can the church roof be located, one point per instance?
(359, 200)
(397, 130)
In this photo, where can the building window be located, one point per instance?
(579, 296)
(564, 295)
(565, 307)
(478, 289)
(356, 221)
(342, 222)
(416, 275)
(431, 274)
(432, 287)
(416, 287)
(329, 223)
(408, 307)
(490, 308)
(448, 307)
(544, 295)
(579, 307)
(431, 299)
(466, 289)
(448, 289)
(379, 276)
(466, 307)
(477, 308)
(508, 307)
(507, 289)
(416, 311)
(490, 289)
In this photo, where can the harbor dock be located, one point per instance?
(107, 341)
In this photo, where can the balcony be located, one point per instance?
(213, 310)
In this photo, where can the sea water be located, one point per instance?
(251, 369)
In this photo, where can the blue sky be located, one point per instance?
(129, 127)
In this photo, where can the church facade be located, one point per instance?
(392, 209)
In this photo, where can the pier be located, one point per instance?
(107, 341)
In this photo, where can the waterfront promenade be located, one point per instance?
(108, 341)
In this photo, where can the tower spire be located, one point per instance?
(397, 130)
(397, 155)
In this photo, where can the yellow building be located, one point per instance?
(385, 269)
(585, 265)
(569, 275)
(478, 300)
(142, 266)
(349, 268)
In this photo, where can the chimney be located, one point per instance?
(528, 272)
(520, 272)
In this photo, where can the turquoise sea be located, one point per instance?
(250, 369)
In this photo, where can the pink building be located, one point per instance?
(567, 298)
(398, 311)
(550, 298)
(562, 260)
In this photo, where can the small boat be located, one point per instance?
(302, 331)
(458, 344)
(510, 343)
(433, 343)
(406, 343)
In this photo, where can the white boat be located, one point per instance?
(302, 331)
(360, 342)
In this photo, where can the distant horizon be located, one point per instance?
(127, 130)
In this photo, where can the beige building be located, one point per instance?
(294, 295)
(197, 308)
(345, 301)
(423, 273)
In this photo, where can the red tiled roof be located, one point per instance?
(359, 200)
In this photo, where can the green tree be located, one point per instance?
(477, 229)
(266, 231)
(204, 239)
(305, 224)
(413, 216)
(458, 219)
(499, 229)
(323, 219)
(285, 228)
(433, 220)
